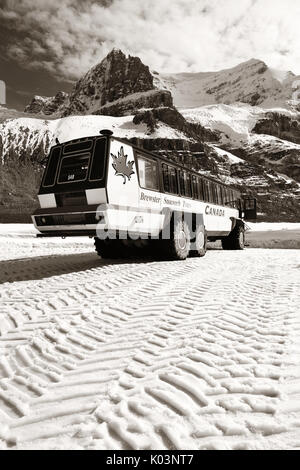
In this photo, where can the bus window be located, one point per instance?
(219, 194)
(205, 190)
(169, 179)
(200, 191)
(78, 147)
(181, 182)
(173, 180)
(98, 163)
(185, 183)
(226, 197)
(232, 202)
(235, 199)
(223, 191)
(188, 187)
(148, 173)
(165, 178)
(196, 188)
(211, 197)
(50, 174)
(73, 168)
(216, 195)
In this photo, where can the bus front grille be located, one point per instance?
(77, 198)
(67, 219)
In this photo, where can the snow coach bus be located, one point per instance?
(129, 198)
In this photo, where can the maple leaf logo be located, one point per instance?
(121, 166)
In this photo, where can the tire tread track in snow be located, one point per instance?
(170, 355)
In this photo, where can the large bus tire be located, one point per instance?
(235, 240)
(200, 242)
(178, 246)
(108, 249)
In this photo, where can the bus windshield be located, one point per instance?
(73, 168)
(78, 162)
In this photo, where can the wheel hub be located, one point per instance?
(182, 240)
(200, 240)
(241, 239)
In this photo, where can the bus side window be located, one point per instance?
(98, 162)
(170, 179)
(205, 190)
(222, 195)
(211, 191)
(188, 187)
(173, 180)
(199, 189)
(227, 197)
(231, 198)
(49, 178)
(195, 184)
(234, 199)
(219, 193)
(165, 178)
(181, 182)
(237, 200)
(148, 173)
(185, 183)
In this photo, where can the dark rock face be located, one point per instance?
(272, 156)
(173, 118)
(117, 76)
(279, 125)
(45, 105)
(57, 103)
(131, 104)
(36, 106)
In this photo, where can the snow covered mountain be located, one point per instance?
(251, 82)
(269, 137)
(117, 77)
(241, 125)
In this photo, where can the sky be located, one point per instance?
(46, 45)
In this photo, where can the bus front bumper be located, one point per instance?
(68, 221)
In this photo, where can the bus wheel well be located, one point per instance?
(236, 239)
(236, 223)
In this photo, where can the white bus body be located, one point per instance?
(107, 188)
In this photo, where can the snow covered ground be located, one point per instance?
(200, 354)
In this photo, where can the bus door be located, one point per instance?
(249, 208)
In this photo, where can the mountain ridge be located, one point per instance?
(254, 148)
(251, 82)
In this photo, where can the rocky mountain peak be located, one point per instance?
(114, 78)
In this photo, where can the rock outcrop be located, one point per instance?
(132, 103)
(47, 105)
(284, 126)
(173, 118)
